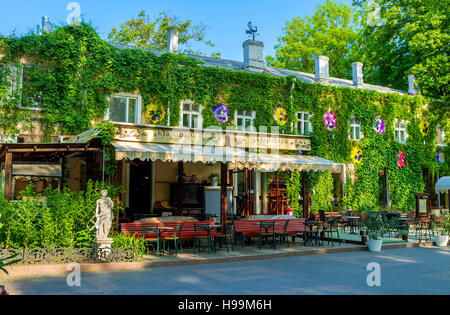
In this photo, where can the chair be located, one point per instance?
(323, 217)
(152, 230)
(227, 237)
(267, 231)
(283, 235)
(311, 232)
(332, 228)
(201, 232)
(175, 237)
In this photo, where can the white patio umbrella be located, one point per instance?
(442, 186)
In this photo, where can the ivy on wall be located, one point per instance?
(75, 71)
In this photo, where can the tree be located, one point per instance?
(412, 37)
(151, 32)
(331, 31)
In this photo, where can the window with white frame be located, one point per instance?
(191, 115)
(125, 108)
(304, 123)
(400, 131)
(244, 119)
(440, 136)
(355, 129)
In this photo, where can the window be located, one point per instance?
(304, 123)
(32, 90)
(400, 131)
(355, 129)
(125, 108)
(244, 120)
(191, 115)
(440, 136)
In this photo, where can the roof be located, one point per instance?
(276, 72)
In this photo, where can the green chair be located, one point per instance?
(150, 234)
(175, 238)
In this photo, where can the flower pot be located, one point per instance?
(374, 245)
(214, 181)
(441, 241)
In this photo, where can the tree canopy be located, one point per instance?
(412, 37)
(331, 31)
(152, 31)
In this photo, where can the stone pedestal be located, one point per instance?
(103, 248)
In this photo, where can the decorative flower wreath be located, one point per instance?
(155, 113)
(440, 157)
(329, 120)
(379, 126)
(221, 113)
(402, 161)
(280, 116)
(357, 155)
(424, 128)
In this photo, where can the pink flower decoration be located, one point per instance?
(329, 120)
(402, 161)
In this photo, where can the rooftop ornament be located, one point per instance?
(252, 30)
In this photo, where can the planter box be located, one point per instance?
(441, 241)
(374, 245)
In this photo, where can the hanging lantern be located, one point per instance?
(402, 160)
(379, 126)
(155, 113)
(221, 113)
(329, 120)
(424, 128)
(280, 116)
(356, 155)
(440, 157)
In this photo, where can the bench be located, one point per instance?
(187, 231)
(251, 228)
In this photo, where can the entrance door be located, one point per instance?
(245, 203)
(140, 187)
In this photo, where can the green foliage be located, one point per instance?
(127, 241)
(376, 225)
(322, 185)
(413, 37)
(64, 219)
(293, 191)
(331, 31)
(151, 32)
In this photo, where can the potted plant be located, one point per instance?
(214, 179)
(441, 226)
(375, 227)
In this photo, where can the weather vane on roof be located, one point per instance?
(252, 30)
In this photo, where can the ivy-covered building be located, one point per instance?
(391, 144)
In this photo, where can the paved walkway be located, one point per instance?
(403, 271)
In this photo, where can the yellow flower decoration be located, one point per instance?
(356, 155)
(424, 128)
(155, 113)
(280, 116)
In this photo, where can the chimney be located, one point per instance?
(172, 45)
(47, 27)
(253, 55)
(412, 85)
(322, 68)
(358, 79)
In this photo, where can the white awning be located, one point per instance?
(40, 170)
(177, 153)
(443, 184)
(237, 158)
(274, 162)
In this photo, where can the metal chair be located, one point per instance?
(199, 230)
(153, 230)
(176, 238)
(267, 231)
(283, 235)
(227, 237)
(332, 227)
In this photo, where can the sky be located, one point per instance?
(226, 21)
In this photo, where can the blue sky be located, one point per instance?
(226, 20)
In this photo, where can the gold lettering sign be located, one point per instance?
(186, 136)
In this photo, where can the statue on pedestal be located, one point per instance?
(104, 215)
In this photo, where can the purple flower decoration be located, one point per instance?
(221, 113)
(440, 157)
(329, 120)
(379, 126)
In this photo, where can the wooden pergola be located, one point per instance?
(38, 152)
